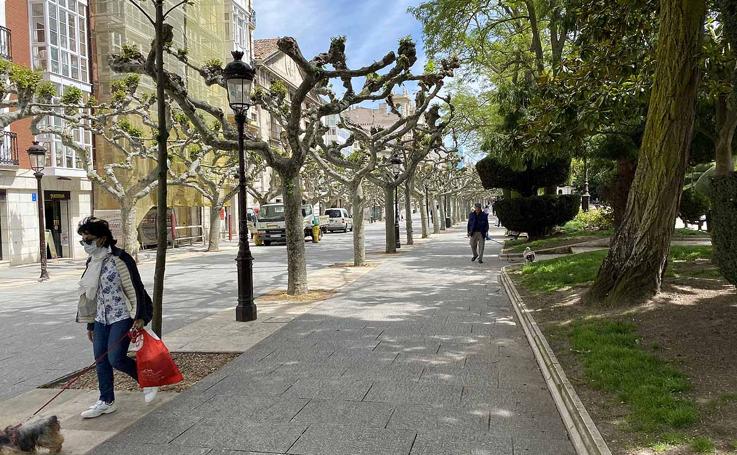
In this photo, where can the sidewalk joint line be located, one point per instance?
(369, 390)
(300, 410)
(377, 345)
(379, 335)
(295, 441)
(185, 430)
(413, 444)
(386, 426)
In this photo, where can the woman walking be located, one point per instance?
(112, 302)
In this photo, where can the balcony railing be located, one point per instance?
(252, 17)
(8, 149)
(5, 51)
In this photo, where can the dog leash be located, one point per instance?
(76, 377)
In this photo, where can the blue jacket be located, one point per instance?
(478, 223)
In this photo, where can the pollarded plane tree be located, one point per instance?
(426, 136)
(295, 113)
(351, 162)
(128, 127)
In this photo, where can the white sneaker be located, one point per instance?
(149, 393)
(98, 409)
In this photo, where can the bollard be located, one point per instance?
(315, 234)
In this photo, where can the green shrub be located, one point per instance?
(724, 225)
(497, 174)
(594, 220)
(694, 205)
(537, 215)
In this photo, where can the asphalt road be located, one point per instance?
(39, 340)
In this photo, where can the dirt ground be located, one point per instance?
(692, 324)
(193, 365)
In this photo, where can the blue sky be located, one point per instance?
(373, 27)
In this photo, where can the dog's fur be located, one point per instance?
(28, 437)
(529, 255)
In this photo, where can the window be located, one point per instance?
(65, 39)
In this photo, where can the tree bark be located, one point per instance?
(435, 216)
(408, 210)
(441, 219)
(621, 188)
(634, 267)
(161, 203)
(359, 228)
(391, 240)
(424, 217)
(726, 120)
(130, 234)
(294, 223)
(213, 243)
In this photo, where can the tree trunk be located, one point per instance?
(621, 188)
(435, 216)
(214, 234)
(294, 222)
(391, 240)
(162, 159)
(408, 210)
(726, 120)
(423, 217)
(634, 267)
(130, 234)
(359, 228)
(441, 215)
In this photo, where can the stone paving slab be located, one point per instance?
(422, 356)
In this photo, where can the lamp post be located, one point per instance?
(396, 163)
(586, 196)
(239, 77)
(37, 157)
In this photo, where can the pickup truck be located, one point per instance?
(272, 228)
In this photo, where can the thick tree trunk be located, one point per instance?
(435, 216)
(621, 188)
(359, 228)
(213, 243)
(408, 211)
(294, 222)
(633, 269)
(726, 119)
(391, 240)
(130, 233)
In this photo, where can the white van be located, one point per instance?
(338, 220)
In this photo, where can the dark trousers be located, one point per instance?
(112, 338)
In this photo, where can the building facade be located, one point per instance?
(52, 37)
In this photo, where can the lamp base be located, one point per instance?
(245, 313)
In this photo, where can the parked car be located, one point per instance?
(272, 226)
(338, 220)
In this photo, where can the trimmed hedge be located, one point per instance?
(496, 174)
(693, 206)
(724, 225)
(537, 215)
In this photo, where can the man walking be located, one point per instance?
(478, 228)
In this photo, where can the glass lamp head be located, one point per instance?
(239, 77)
(37, 156)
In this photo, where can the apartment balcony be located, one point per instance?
(252, 17)
(8, 150)
(5, 51)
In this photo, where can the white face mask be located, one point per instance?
(89, 249)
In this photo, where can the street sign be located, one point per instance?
(33, 197)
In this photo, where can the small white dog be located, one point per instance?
(529, 255)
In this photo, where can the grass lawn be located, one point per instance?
(581, 269)
(614, 361)
(691, 233)
(657, 377)
(568, 235)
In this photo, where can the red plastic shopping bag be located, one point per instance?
(154, 363)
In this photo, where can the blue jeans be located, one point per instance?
(114, 339)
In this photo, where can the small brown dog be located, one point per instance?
(28, 437)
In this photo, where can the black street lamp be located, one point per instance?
(586, 195)
(37, 157)
(396, 163)
(239, 77)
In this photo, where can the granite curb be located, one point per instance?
(582, 430)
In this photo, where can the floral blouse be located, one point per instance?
(111, 306)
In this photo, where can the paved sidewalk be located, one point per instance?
(420, 356)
